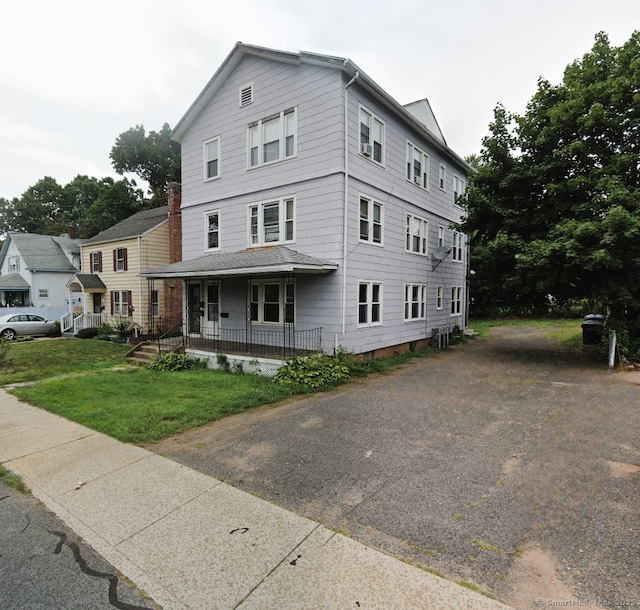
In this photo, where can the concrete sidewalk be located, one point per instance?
(191, 541)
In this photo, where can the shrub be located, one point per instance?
(105, 329)
(87, 333)
(315, 371)
(56, 332)
(176, 362)
(4, 350)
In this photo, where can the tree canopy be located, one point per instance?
(554, 206)
(154, 157)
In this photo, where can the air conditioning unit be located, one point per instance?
(366, 150)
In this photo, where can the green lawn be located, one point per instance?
(566, 331)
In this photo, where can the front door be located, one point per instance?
(213, 321)
(195, 309)
(97, 302)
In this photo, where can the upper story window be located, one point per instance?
(456, 254)
(95, 262)
(120, 259)
(212, 158)
(246, 95)
(371, 136)
(417, 233)
(213, 230)
(442, 179)
(417, 166)
(273, 138)
(370, 220)
(272, 222)
(440, 237)
(14, 264)
(458, 188)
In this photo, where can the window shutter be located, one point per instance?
(112, 302)
(115, 260)
(100, 262)
(126, 265)
(129, 296)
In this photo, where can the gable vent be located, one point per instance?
(246, 95)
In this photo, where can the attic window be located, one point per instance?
(246, 95)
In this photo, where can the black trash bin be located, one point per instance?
(592, 328)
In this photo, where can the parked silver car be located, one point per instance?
(23, 325)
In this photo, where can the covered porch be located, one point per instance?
(14, 291)
(91, 311)
(247, 303)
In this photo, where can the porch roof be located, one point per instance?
(13, 281)
(246, 262)
(87, 281)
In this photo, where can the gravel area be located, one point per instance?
(505, 462)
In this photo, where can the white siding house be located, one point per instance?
(316, 211)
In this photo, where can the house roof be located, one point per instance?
(135, 226)
(13, 281)
(87, 281)
(246, 262)
(44, 252)
(414, 114)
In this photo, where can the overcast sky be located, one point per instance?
(75, 73)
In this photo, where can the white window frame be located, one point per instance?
(372, 307)
(457, 242)
(441, 236)
(442, 178)
(456, 300)
(154, 303)
(13, 264)
(120, 302)
(439, 297)
(367, 141)
(120, 258)
(286, 292)
(415, 302)
(94, 261)
(43, 293)
(208, 231)
(459, 187)
(421, 225)
(257, 229)
(206, 160)
(421, 178)
(370, 221)
(287, 127)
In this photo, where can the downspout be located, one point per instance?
(346, 201)
(142, 329)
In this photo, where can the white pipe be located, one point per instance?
(612, 348)
(346, 202)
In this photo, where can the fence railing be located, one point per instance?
(171, 339)
(284, 343)
(88, 320)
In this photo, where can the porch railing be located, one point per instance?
(82, 320)
(274, 343)
(171, 340)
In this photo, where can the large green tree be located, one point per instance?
(154, 157)
(554, 207)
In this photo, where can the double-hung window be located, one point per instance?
(272, 222)
(273, 138)
(120, 259)
(213, 230)
(14, 264)
(417, 232)
(154, 303)
(370, 221)
(120, 302)
(212, 158)
(96, 262)
(272, 302)
(456, 300)
(369, 303)
(415, 298)
(458, 188)
(442, 178)
(439, 297)
(371, 136)
(417, 166)
(440, 237)
(456, 255)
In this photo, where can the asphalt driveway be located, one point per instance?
(504, 462)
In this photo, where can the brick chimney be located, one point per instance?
(71, 232)
(173, 288)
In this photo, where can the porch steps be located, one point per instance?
(146, 352)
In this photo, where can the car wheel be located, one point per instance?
(9, 334)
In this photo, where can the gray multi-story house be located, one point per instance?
(316, 211)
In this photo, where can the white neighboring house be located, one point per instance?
(35, 269)
(317, 212)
